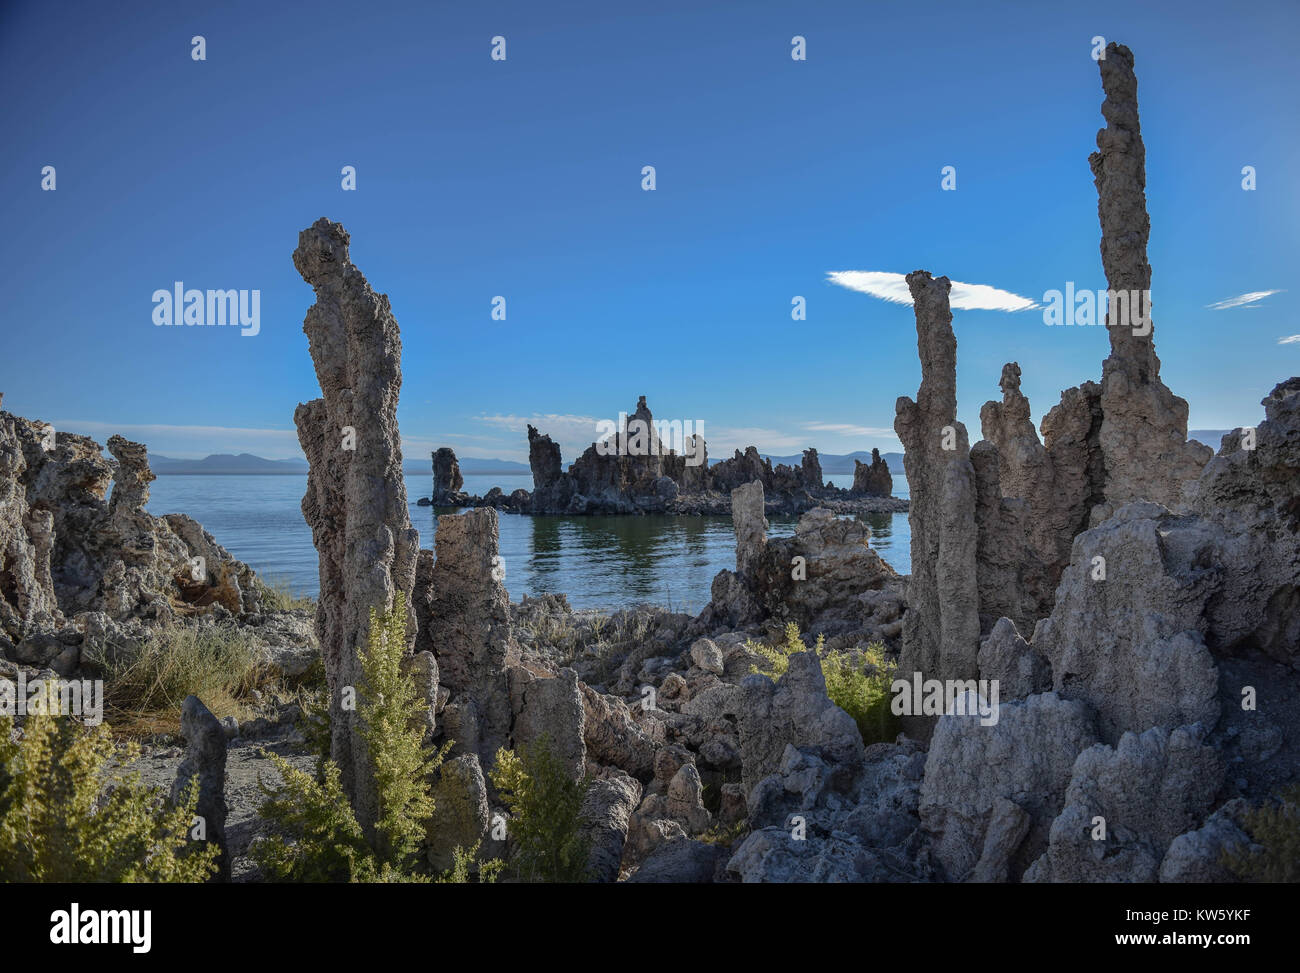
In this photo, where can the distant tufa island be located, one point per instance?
(632, 470)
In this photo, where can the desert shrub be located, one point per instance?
(318, 837)
(859, 687)
(146, 683)
(544, 803)
(1274, 830)
(277, 595)
(862, 690)
(460, 872)
(60, 823)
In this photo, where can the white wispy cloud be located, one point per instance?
(963, 297)
(550, 423)
(847, 429)
(1291, 339)
(1249, 299)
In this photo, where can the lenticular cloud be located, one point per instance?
(962, 297)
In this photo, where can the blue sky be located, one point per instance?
(522, 178)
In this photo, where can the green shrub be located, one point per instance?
(860, 688)
(544, 804)
(59, 823)
(319, 837)
(1274, 828)
(462, 862)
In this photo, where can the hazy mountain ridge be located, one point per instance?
(245, 464)
(227, 464)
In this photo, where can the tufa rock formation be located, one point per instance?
(205, 762)
(84, 572)
(446, 474)
(941, 628)
(635, 472)
(356, 497)
(872, 479)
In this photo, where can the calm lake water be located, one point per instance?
(599, 562)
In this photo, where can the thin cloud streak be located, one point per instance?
(1249, 299)
(962, 297)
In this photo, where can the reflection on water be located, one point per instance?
(607, 562)
(599, 562)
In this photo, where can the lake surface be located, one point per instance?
(599, 562)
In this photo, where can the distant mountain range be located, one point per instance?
(226, 464)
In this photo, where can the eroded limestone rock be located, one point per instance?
(1145, 791)
(205, 762)
(356, 496)
(873, 479)
(941, 628)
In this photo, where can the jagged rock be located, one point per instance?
(809, 831)
(647, 830)
(1026, 757)
(708, 656)
(461, 814)
(685, 800)
(468, 629)
(446, 473)
(1147, 790)
(612, 736)
(1026, 521)
(205, 762)
(810, 470)
(422, 669)
(1139, 627)
(1019, 670)
(605, 812)
(1007, 827)
(794, 711)
(1143, 432)
(941, 628)
(551, 709)
(873, 479)
(356, 497)
(681, 862)
(544, 460)
(818, 578)
(1254, 496)
(1197, 856)
(750, 524)
(732, 807)
(69, 552)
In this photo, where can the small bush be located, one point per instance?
(462, 863)
(1274, 829)
(319, 837)
(862, 691)
(145, 684)
(860, 688)
(278, 596)
(544, 805)
(58, 822)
